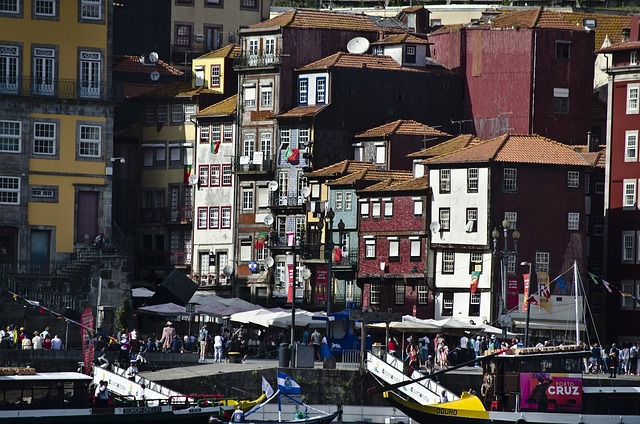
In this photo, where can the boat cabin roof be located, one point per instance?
(49, 377)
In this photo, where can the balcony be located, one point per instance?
(60, 88)
(287, 200)
(319, 253)
(181, 215)
(245, 60)
(257, 164)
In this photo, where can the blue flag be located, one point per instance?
(287, 384)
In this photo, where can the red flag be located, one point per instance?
(294, 157)
(41, 310)
(475, 281)
(533, 300)
(337, 254)
(544, 291)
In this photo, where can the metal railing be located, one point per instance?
(247, 165)
(61, 88)
(320, 252)
(256, 60)
(288, 199)
(351, 358)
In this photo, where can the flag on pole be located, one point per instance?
(475, 281)
(287, 384)
(266, 387)
(287, 153)
(293, 156)
(543, 287)
(607, 286)
(260, 240)
(215, 145)
(544, 291)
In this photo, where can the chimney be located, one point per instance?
(635, 28)
(592, 143)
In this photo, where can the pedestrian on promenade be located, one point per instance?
(613, 361)
(202, 338)
(36, 341)
(217, 347)
(168, 333)
(56, 343)
(315, 341)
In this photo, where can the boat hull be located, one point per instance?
(321, 419)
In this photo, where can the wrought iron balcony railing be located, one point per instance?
(254, 60)
(257, 164)
(60, 88)
(290, 199)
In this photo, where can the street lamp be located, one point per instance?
(528, 303)
(329, 243)
(505, 255)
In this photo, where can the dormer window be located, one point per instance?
(410, 54)
(589, 23)
(633, 57)
(378, 50)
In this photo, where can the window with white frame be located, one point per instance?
(228, 132)
(303, 136)
(177, 113)
(226, 217)
(9, 190)
(214, 217)
(269, 49)
(300, 227)
(262, 254)
(628, 246)
(573, 179)
(631, 146)
(43, 193)
(633, 91)
(445, 181)
(339, 201)
(44, 8)
(511, 264)
(626, 302)
(202, 218)
(161, 113)
(285, 137)
(265, 144)
(417, 207)
(394, 248)
(226, 175)
(10, 6)
(573, 221)
(375, 293)
(266, 97)
(216, 136)
(248, 144)
(44, 71)
(633, 57)
(250, 96)
(448, 261)
(348, 201)
(189, 111)
(629, 199)
(246, 249)
(89, 144)
(471, 225)
(388, 208)
(423, 294)
(364, 209)
(205, 130)
(475, 262)
(447, 304)
(215, 75)
(512, 217)
(375, 208)
(44, 138)
(90, 74)
(10, 136)
(303, 91)
(9, 59)
(247, 199)
(472, 180)
(399, 292)
(474, 304)
(91, 9)
(542, 262)
(321, 91)
(281, 273)
(203, 174)
(510, 180)
(370, 248)
(415, 248)
(358, 152)
(381, 154)
(444, 219)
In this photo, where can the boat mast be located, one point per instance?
(575, 286)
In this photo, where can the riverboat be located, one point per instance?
(533, 386)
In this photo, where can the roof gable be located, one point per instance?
(401, 126)
(224, 108)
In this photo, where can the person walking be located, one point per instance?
(217, 347)
(315, 341)
(203, 337)
(168, 333)
(613, 361)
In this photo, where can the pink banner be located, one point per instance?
(551, 392)
(86, 319)
(512, 292)
(290, 283)
(322, 278)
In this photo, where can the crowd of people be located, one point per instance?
(616, 360)
(19, 338)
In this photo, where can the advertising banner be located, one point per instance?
(525, 304)
(512, 292)
(86, 319)
(322, 280)
(556, 392)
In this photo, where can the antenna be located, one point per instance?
(269, 261)
(306, 191)
(358, 45)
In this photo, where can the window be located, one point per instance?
(475, 262)
(375, 208)
(631, 146)
(573, 221)
(215, 75)
(266, 97)
(226, 175)
(9, 56)
(348, 201)
(202, 218)
(561, 100)
(161, 113)
(381, 154)
(448, 262)
(628, 246)
(417, 207)
(214, 217)
(9, 190)
(445, 219)
(474, 305)
(9, 6)
(633, 91)
(399, 291)
(44, 71)
(563, 49)
(472, 220)
(303, 91)
(626, 302)
(303, 136)
(215, 132)
(375, 293)
(388, 208)
(228, 132)
(358, 152)
(410, 54)
(90, 139)
(629, 199)
(149, 114)
(472, 180)
(214, 176)
(542, 262)
(246, 248)
(423, 294)
(447, 304)
(265, 144)
(91, 9)
(247, 199)
(512, 217)
(248, 4)
(189, 111)
(183, 35)
(203, 173)
(599, 184)
(177, 113)
(364, 209)
(269, 49)
(370, 248)
(445, 181)
(573, 179)
(44, 138)
(394, 249)
(633, 57)
(90, 80)
(339, 201)
(510, 180)
(415, 248)
(321, 91)
(598, 225)
(250, 97)
(248, 144)
(226, 217)
(10, 136)
(45, 8)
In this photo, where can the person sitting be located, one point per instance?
(132, 371)
(238, 415)
(443, 397)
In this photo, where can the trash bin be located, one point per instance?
(284, 355)
(329, 363)
(304, 356)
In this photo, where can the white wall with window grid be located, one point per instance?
(462, 267)
(461, 305)
(312, 93)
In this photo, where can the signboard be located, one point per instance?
(322, 278)
(525, 304)
(512, 292)
(375, 316)
(86, 319)
(551, 392)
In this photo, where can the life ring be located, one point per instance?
(487, 384)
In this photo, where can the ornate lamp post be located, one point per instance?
(505, 255)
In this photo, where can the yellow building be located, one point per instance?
(56, 128)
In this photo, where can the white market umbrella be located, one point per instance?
(165, 309)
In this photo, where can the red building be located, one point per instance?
(393, 247)
(526, 72)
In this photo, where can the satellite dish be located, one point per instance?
(269, 261)
(227, 271)
(469, 226)
(268, 220)
(358, 45)
(155, 76)
(306, 191)
(153, 57)
(193, 179)
(434, 227)
(306, 273)
(273, 185)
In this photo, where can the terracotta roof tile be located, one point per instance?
(230, 50)
(606, 25)
(305, 18)
(225, 107)
(360, 61)
(132, 64)
(445, 147)
(372, 174)
(132, 90)
(401, 38)
(401, 126)
(173, 90)
(531, 18)
(510, 148)
(340, 168)
(301, 112)
(597, 158)
(414, 184)
(625, 45)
